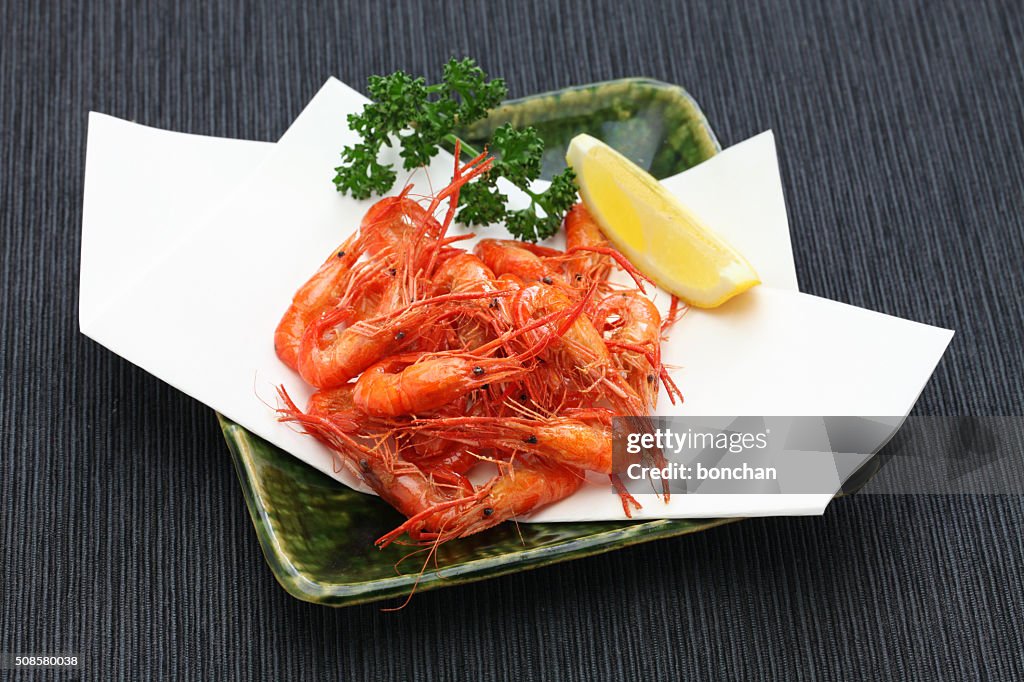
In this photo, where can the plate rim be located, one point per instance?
(295, 582)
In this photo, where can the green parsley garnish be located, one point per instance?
(420, 118)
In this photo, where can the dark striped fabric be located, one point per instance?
(123, 533)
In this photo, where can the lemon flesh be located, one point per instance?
(653, 229)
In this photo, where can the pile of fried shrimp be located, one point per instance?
(429, 359)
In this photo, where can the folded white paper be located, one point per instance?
(145, 189)
(200, 301)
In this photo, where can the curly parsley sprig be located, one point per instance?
(420, 118)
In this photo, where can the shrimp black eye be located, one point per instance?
(392, 272)
(524, 397)
(341, 254)
(650, 378)
(494, 303)
(579, 277)
(532, 440)
(488, 511)
(546, 280)
(399, 336)
(478, 371)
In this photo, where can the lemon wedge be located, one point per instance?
(654, 230)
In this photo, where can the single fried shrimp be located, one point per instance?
(333, 351)
(581, 230)
(321, 292)
(635, 342)
(526, 261)
(582, 438)
(484, 321)
(413, 384)
(532, 483)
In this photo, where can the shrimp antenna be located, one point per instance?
(473, 169)
(638, 277)
(431, 552)
(676, 310)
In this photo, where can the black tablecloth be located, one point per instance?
(124, 536)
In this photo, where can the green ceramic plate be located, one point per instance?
(318, 535)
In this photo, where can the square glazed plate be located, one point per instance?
(318, 535)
